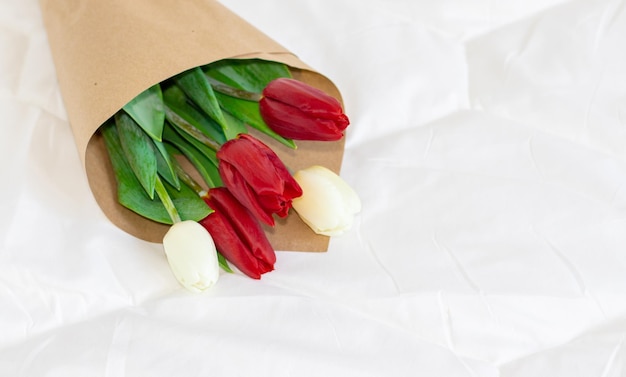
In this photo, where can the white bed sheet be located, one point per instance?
(487, 145)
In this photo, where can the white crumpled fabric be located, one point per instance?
(488, 146)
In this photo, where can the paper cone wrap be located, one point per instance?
(107, 52)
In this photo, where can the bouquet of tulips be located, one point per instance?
(179, 111)
(201, 119)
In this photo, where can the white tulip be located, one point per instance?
(328, 204)
(192, 256)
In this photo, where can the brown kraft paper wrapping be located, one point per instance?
(107, 52)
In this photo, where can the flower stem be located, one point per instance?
(189, 181)
(220, 87)
(166, 200)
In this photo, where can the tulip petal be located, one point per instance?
(299, 111)
(191, 255)
(328, 204)
(350, 198)
(247, 228)
(292, 123)
(257, 177)
(242, 191)
(231, 246)
(238, 235)
(252, 162)
(305, 97)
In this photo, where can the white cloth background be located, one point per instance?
(487, 145)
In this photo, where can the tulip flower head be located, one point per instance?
(237, 234)
(298, 111)
(328, 204)
(191, 255)
(255, 175)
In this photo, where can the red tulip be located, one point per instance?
(237, 234)
(298, 111)
(257, 177)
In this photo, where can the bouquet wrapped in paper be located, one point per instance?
(112, 57)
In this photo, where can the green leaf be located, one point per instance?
(188, 129)
(167, 202)
(224, 263)
(131, 194)
(165, 165)
(128, 186)
(182, 174)
(147, 110)
(139, 151)
(248, 113)
(201, 157)
(192, 141)
(190, 206)
(235, 123)
(250, 74)
(177, 101)
(197, 87)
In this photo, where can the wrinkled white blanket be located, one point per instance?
(488, 146)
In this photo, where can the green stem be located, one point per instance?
(187, 127)
(167, 201)
(219, 86)
(189, 181)
(224, 263)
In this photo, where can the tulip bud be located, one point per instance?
(299, 111)
(328, 204)
(237, 234)
(257, 177)
(192, 255)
